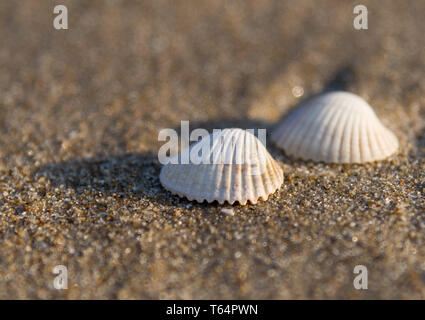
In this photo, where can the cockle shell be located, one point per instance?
(235, 167)
(336, 127)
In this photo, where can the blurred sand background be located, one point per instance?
(80, 112)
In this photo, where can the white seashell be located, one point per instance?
(237, 167)
(336, 127)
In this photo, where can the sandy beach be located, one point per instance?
(80, 112)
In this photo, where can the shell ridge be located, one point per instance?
(338, 115)
(266, 175)
(261, 170)
(289, 125)
(284, 129)
(276, 174)
(379, 143)
(311, 147)
(254, 175)
(342, 149)
(389, 140)
(364, 143)
(308, 124)
(230, 186)
(238, 166)
(392, 141)
(226, 173)
(336, 134)
(384, 141)
(217, 143)
(355, 149)
(218, 157)
(316, 154)
(307, 133)
(346, 146)
(279, 172)
(219, 167)
(249, 182)
(372, 137)
(289, 141)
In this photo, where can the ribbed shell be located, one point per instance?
(336, 127)
(239, 169)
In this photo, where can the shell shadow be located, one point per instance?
(133, 176)
(130, 176)
(341, 80)
(420, 144)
